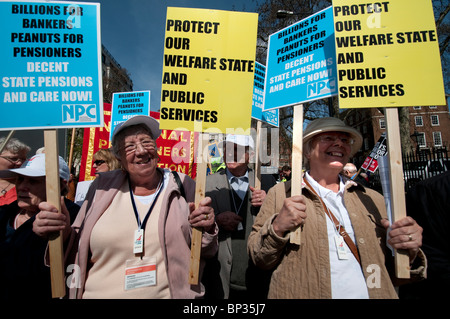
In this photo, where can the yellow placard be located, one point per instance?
(387, 54)
(208, 70)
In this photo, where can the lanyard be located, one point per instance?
(141, 225)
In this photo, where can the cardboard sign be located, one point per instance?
(301, 62)
(125, 105)
(387, 54)
(51, 65)
(208, 69)
(272, 116)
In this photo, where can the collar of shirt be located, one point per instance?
(334, 201)
(239, 184)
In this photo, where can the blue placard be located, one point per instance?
(50, 64)
(271, 116)
(301, 62)
(125, 105)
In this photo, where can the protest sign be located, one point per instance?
(379, 150)
(300, 68)
(51, 65)
(372, 41)
(208, 69)
(387, 54)
(301, 62)
(51, 78)
(272, 116)
(128, 104)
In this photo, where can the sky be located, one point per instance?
(133, 32)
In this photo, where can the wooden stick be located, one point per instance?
(71, 150)
(52, 182)
(10, 134)
(200, 190)
(257, 157)
(402, 268)
(297, 157)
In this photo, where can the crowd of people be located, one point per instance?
(129, 231)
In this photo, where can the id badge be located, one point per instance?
(340, 247)
(138, 245)
(140, 273)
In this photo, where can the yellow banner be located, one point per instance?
(387, 54)
(208, 70)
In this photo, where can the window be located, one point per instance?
(417, 107)
(437, 138)
(433, 107)
(418, 120)
(435, 120)
(421, 139)
(382, 124)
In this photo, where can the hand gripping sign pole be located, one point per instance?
(297, 157)
(402, 268)
(52, 182)
(200, 190)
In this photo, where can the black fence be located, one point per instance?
(418, 166)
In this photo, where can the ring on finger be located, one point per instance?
(206, 216)
(410, 237)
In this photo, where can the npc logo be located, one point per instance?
(79, 113)
(320, 88)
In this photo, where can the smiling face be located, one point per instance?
(329, 151)
(138, 153)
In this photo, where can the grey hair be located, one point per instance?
(15, 146)
(306, 150)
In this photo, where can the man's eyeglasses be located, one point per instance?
(99, 162)
(329, 139)
(13, 160)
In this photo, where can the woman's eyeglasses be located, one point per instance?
(328, 139)
(13, 160)
(99, 162)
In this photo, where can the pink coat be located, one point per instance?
(174, 233)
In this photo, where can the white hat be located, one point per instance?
(148, 121)
(35, 167)
(243, 140)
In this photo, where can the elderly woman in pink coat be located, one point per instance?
(132, 236)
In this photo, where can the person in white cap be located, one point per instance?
(132, 236)
(22, 269)
(236, 202)
(343, 251)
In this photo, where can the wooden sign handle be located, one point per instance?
(257, 157)
(397, 188)
(297, 157)
(53, 190)
(200, 190)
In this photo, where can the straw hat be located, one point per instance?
(332, 124)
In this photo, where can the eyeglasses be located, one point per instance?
(13, 160)
(99, 162)
(146, 144)
(329, 139)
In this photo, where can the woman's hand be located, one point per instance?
(203, 215)
(405, 234)
(291, 215)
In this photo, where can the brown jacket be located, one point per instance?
(305, 272)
